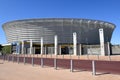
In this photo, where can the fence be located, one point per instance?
(72, 64)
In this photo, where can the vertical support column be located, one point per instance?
(31, 46)
(59, 49)
(18, 47)
(55, 44)
(108, 44)
(22, 47)
(45, 50)
(80, 47)
(74, 43)
(102, 46)
(41, 45)
(33, 50)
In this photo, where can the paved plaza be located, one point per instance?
(15, 71)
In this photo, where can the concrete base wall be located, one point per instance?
(85, 49)
(91, 49)
(116, 49)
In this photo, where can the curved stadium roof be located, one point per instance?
(86, 29)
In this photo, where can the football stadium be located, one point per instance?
(59, 35)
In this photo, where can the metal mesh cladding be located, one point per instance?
(87, 30)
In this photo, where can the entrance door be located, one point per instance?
(65, 50)
(37, 51)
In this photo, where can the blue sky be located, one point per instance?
(106, 10)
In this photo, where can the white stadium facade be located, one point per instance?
(59, 36)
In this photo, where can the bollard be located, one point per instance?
(18, 59)
(37, 55)
(13, 58)
(93, 68)
(98, 56)
(3, 58)
(63, 56)
(70, 57)
(24, 59)
(41, 62)
(78, 56)
(71, 65)
(32, 61)
(55, 63)
(51, 55)
(109, 58)
(88, 56)
(8, 58)
(46, 55)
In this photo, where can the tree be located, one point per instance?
(1, 47)
(6, 49)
